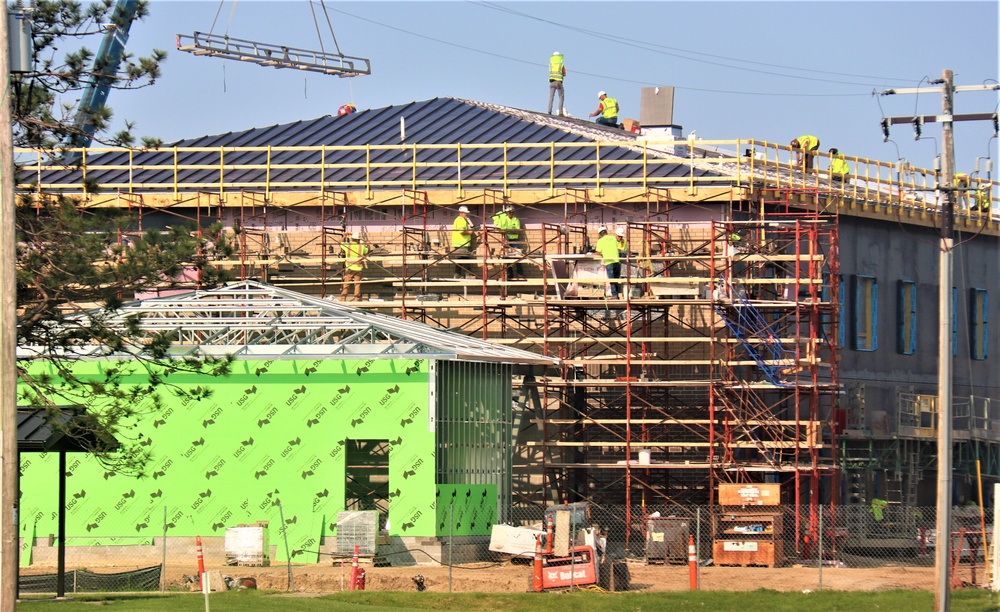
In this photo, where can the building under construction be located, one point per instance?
(748, 343)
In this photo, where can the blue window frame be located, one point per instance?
(906, 318)
(865, 313)
(979, 305)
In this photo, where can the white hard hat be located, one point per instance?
(508, 208)
(602, 230)
(463, 209)
(356, 235)
(620, 231)
(601, 93)
(556, 53)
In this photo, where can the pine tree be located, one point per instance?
(77, 266)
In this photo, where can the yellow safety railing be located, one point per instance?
(549, 166)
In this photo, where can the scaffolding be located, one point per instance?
(718, 365)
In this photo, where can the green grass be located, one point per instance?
(715, 601)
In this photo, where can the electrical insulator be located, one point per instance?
(996, 124)
(918, 127)
(989, 166)
(937, 163)
(885, 129)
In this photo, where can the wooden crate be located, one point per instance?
(747, 552)
(748, 538)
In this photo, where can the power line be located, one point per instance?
(591, 74)
(654, 47)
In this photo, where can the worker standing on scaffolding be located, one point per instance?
(462, 240)
(515, 247)
(354, 262)
(607, 247)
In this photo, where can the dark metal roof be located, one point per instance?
(39, 430)
(440, 121)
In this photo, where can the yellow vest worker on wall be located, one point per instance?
(805, 148)
(557, 72)
(607, 109)
(354, 262)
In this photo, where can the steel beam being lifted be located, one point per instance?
(276, 56)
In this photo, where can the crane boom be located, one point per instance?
(106, 62)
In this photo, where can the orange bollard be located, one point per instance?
(692, 564)
(201, 563)
(536, 583)
(354, 568)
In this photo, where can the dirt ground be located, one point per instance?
(515, 577)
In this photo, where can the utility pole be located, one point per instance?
(8, 341)
(946, 191)
(942, 589)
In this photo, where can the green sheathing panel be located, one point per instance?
(466, 509)
(273, 430)
(474, 425)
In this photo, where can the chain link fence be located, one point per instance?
(807, 539)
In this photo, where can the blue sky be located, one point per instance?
(764, 70)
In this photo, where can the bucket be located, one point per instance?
(644, 455)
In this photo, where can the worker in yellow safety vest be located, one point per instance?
(805, 148)
(354, 262)
(513, 241)
(462, 240)
(984, 200)
(607, 247)
(607, 110)
(557, 73)
(839, 168)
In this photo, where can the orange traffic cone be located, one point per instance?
(201, 563)
(692, 564)
(536, 583)
(354, 567)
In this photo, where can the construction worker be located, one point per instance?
(462, 239)
(607, 247)
(607, 110)
(557, 72)
(511, 226)
(805, 148)
(354, 262)
(622, 242)
(984, 201)
(839, 168)
(878, 508)
(346, 109)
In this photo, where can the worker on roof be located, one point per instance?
(607, 247)
(557, 72)
(354, 262)
(607, 110)
(462, 243)
(839, 168)
(346, 109)
(805, 148)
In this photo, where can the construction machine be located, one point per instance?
(573, 553)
